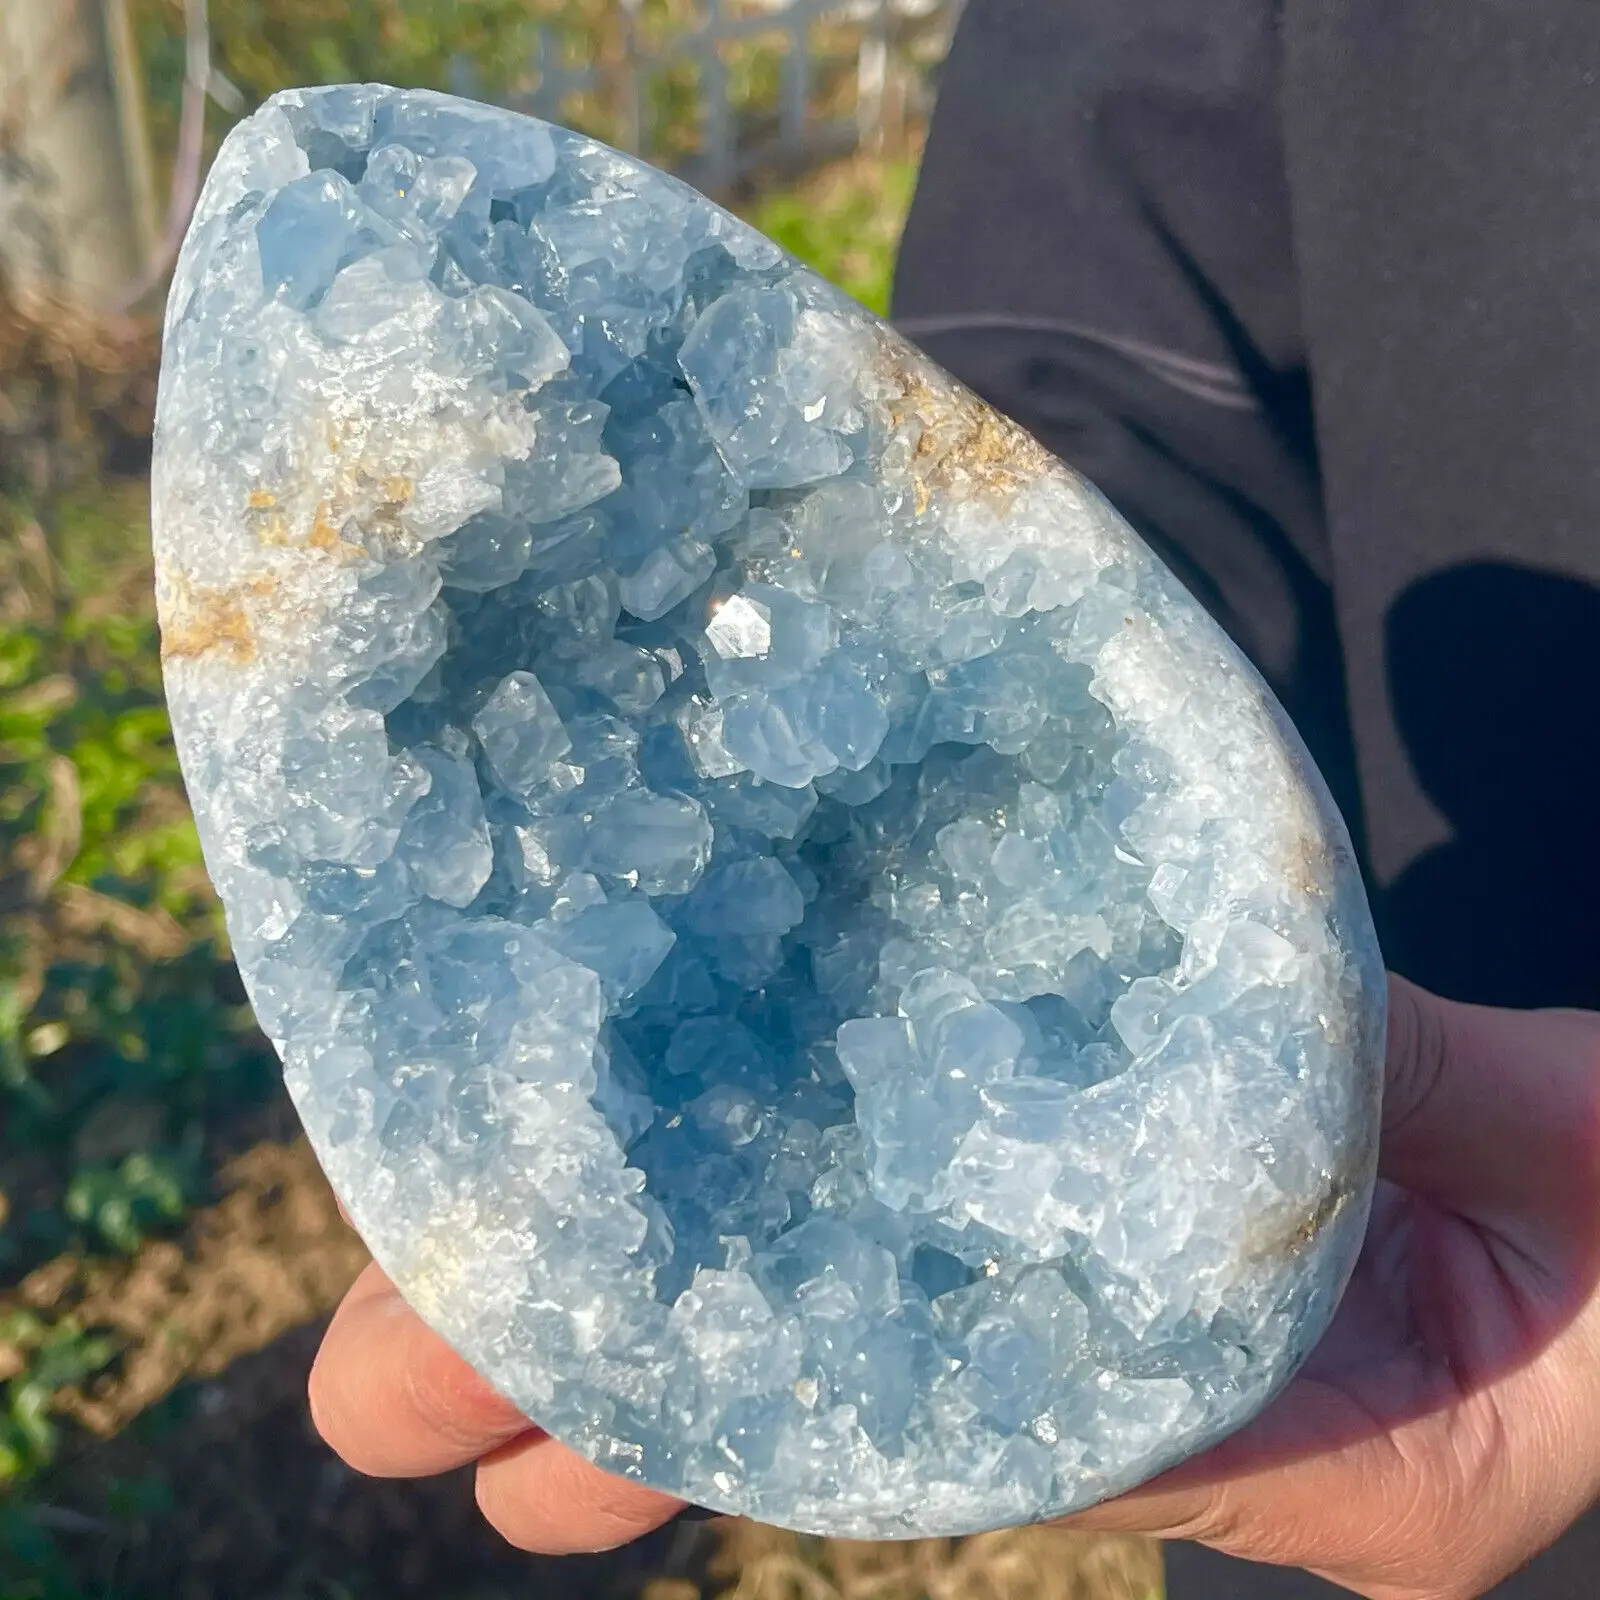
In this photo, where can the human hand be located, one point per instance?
(395, 1401)
(1442, 1432)
(1447, 1428)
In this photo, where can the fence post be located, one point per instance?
(794, 104)
(884, 52)
(632, 112)
(75, 189)
(717, 153)
(133, 121)
(872, 78)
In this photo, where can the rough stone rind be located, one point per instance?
(810, 959)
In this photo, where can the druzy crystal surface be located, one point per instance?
(810, 959)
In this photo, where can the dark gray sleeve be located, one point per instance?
(1100, 245)
(1309, 288)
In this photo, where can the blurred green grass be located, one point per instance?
(126, 1049)
(844, 221)
(130, 1068)
(124, 1040)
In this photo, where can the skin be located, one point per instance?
(1443, 1433)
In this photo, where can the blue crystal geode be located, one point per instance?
(809, 958)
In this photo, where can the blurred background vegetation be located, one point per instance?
(167, 1245)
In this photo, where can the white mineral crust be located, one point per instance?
(811, 960)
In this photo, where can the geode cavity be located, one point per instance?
(810, 959)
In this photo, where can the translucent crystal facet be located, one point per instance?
(808, 956)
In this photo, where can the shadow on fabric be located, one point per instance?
(1494, 673)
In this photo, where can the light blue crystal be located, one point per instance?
(487, 553)
(520, 733)
(312, 228)
(624, 942)
(663, 841)
(809, 958)
(419, 194)
(629, 679)
(731, 358)
(746, 897)
(444, 842)
(670, 573)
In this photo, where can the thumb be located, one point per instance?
(1489, 1112)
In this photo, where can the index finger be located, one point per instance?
(392, 1399)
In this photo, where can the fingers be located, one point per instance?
(1160, 1509)
(1292, 1467)
(393, 1399)
(539, 1495)
(1492, 1112)
(1458, 1373)
(1313, 1482)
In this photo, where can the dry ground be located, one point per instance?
(205, 1416)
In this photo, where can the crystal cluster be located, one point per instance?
(810, 959)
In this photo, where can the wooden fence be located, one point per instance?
(734, 87)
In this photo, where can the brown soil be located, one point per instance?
(1021, 1564)
(204, 1417)
(257, 1508)
(260, 1510)
(273, 1254)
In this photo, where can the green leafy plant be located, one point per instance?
(53, 1355)
(127, 1051)
(266, 45)
(122, 1204)
(122, 1029)
(845, 223)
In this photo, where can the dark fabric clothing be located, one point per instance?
(1310, 289)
